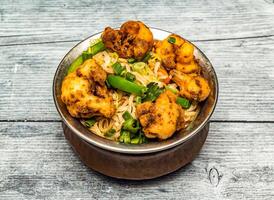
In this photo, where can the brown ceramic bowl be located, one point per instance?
(178, 138)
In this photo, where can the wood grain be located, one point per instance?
(237, 162)
(43, 21)
(245, 69)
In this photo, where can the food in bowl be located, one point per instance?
(131, 88)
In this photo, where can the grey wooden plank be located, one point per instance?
(245, 69)
(236, 162)
(42, 21)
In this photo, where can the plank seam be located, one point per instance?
(206, 40)
(235, 38)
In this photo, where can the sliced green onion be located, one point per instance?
(152, 93)
(127, 137)
(127, 115)
(138, 100)
(124, 137)
(118, 68)
(110, 132)
(130, 138)
(121, 137)
(131, 60)
(96, 48)
(135, 140)
(144, 139)
(174, 90)
(89, 122)
(75, 64)
(125, 85)
(171, 40)
(131, 125)
(183, 102)
(139, 67)
(139, 139)
(147, 57)
(86, 55)
(130, 77)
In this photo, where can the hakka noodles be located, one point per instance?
(128, 87)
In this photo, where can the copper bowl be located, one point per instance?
(143, 161)
(178, 138)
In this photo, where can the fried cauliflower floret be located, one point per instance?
(177, 53)
(166, 50)
(188, 68)
(192, 86)
(133, 40)
(85, 94)
(159, 119)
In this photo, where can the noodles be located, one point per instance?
(106, 60)
(192, 112)
(156, 68)
(125, 102)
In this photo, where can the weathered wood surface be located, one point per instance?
(245, 69)
(236, 162)
(44, 21)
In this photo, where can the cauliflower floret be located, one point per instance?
(85, 94)
(133, 40)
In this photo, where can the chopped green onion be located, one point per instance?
(144, 139)
(147, 57)
(125, 85)
(118, 68)
(110, 132)
(139, 67)
(96, 48)
(130, 77)
(183, 102)
(171, 40)
(174, 90)
(135, 140)
(89, 122)
(138, 100)
(86, 55)
(152, 93)
(127, 115)
(140, 139)
(130, 138)
(124, 137)
(131, 60)
(131, 125)
(127, 137)
(121, 137)
(75, 64)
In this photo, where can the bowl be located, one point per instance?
(178, 138)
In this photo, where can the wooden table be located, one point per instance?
(237, 160)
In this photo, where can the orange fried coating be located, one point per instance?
(132, 40)
(177, 53)
(85, 94)
(159, 119)
(192, 86)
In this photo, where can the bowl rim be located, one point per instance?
(135, 151)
